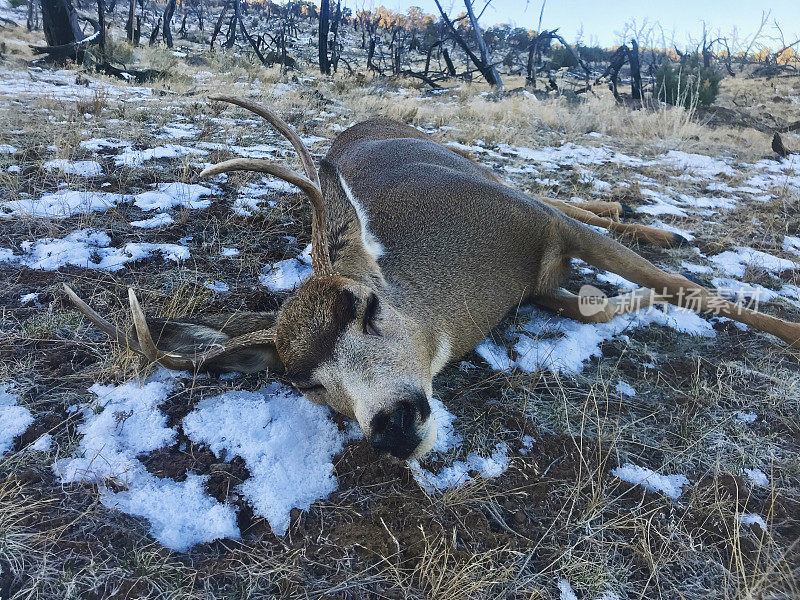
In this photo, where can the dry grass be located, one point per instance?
(556, 513)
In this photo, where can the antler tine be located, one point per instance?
(320, 258)
(99, 321)
(282, 126)
(175, 361)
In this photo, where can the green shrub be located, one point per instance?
(562, 57)
(687, 84)
(18, 3)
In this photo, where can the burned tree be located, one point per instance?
(324, 25)
(169, 11)
(482, 63)
(60, 23)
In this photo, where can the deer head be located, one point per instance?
(339, 339)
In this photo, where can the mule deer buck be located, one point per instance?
(417, 253)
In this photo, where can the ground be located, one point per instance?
(656, 456)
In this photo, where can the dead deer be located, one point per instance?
(417, 253)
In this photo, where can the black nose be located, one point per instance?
(396, 432)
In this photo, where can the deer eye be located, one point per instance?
(370, 314)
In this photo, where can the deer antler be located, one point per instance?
(171, 360)
(320, 259)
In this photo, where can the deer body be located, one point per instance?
(459, 249)
(418, 252)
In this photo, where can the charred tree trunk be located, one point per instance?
(230, 40)
(636, 73)
(486, 56)
(218, 26)
(487, 70)
(60, 23)
(322, 44)
(169, 11)
(451, 68)
(129, 24)
(101, 25)
(154, 34)
(31, 21)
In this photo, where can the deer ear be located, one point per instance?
(354, 249)
(195, 335)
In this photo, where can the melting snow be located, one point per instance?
(746, 417)
(791, 244)
(90, 249)
(159, 220)
(625, 388)
(129, 424)
(43, 443)
(563, 345)
(734, 262)
(172, 194)
(757, 477)
(286, 275)
(670, 485)
(84, 168)
(698, 164)
(750, 519)
(134, 158)
(14, 419)
(8, 149)
(96, 144)
(287, 443)
(60, 205)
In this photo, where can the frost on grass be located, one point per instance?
(563, 345)
(735, 262)
(287, 443)
(670, 485)
(14, 419)
(63, 204)
(124, 423)
(89, 249)
(286, 275)
(84, 168)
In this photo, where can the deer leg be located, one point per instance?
(612, 210)
(571, 306)
(660, 237)
(605, 253)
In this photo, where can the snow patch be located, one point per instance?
(14, 419)
(124, 424)
(158, 220)
(63, 204)
(563, 345)
(84, 168)
(286, 275)
(167, 195)
(89, 249)
(670, 485)
(734, 262)
(135, 158)
(287, 443)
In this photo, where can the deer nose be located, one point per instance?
(397, 432)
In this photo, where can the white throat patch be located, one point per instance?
(371, 243)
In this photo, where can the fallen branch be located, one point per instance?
(68, 50)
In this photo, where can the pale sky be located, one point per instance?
(602, 19)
